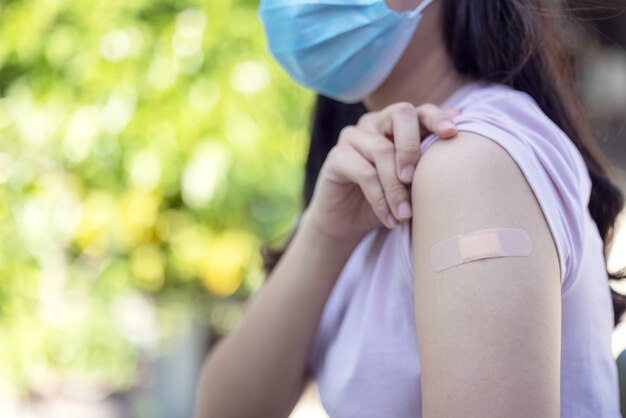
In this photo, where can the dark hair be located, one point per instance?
(511, 42)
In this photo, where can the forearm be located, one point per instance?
(259, 368)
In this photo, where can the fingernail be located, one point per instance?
(404, 210)
(391, 221)
(446, 124)
(406, 174)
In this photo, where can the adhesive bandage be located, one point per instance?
(486, 243)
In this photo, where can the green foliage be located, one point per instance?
(147, 148)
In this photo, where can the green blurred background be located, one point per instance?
(147, 149)
(143, 160)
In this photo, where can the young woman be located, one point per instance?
(360, 300)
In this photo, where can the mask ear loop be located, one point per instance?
(419, 9)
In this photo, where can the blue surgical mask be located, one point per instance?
(343, 49)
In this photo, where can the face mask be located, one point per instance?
(343, 49)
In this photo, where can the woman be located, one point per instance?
(358, 300)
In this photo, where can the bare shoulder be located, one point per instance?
(468, 158)
(470, 183)
(489, 329)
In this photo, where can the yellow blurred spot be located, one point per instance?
(96, 218)
(147, 266)
(139, 211)
(228, 256)
(188, 242)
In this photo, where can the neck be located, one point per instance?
(432, 81)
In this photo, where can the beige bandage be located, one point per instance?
(486, 243)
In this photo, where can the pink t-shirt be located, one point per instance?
(365, 357)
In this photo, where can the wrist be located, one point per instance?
(321, 241)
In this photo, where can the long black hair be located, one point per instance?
(515, 43)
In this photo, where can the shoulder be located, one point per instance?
(468, 154)
(471, 182)
(485, 320)
(469, 163)
(517, 134)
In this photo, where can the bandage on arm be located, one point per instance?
(485, 243)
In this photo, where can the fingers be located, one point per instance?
(382, 152)
(435, 120)
(362, 172)
(406, 137)
(452, 112)
(398, 122)
(384, 149)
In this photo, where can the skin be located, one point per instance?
(505, 361)
(489, 330)
(258, 370)
(433, 79)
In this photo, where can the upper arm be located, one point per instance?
(489, 331)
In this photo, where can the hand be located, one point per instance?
(362, 183)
